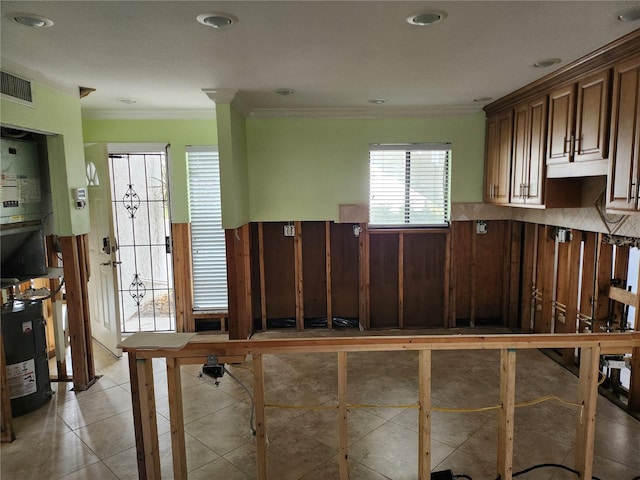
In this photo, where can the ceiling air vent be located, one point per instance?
(16, 88)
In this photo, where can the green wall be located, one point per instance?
(58, 114)
(178, 133)
(232, 132)
(302, 169)
(280, 169)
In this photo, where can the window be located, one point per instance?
(409, 184)
(207, 235)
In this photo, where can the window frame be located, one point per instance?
(408, 148)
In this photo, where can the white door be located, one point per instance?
(103, 282)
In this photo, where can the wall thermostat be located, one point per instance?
(80, 197)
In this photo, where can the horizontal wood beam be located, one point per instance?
(623, 296)
(203, 345)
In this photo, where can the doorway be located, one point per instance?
(142, 234)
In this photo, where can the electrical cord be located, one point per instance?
(251, 426)
(545, 465)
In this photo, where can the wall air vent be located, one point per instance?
(16, 88)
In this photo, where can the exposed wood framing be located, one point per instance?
(527, 302)
(620, 269)
(588, 397)
(604, 269)
(263, 294)
(7, 435)
(506, 424)
(76, 276)
(261, 424)
(364, 276)
(343, 419)
(327, 256)
(56, 306)
(474, 279)
(144, 417)
(199, 346)
(546, 255)
(298, 276)
(587, 298)
(634, 387)
(400, 280)
(447, 282)
(634, 390)
(424, 414)
(453, 276)
(239, 282)
(182, 274)
(178, 446)
(513, 290)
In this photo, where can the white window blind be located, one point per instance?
(207, 235)
(409, 184)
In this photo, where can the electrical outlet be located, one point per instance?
(481, 227)
(289, 230)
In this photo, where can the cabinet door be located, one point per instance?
(622, 183)
(561, 108)
(592, 126)
(535, 174)
(491, 158)
(520, 163)
(498, 158)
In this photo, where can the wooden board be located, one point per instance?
(383, 261)
(256, 285)
(461, 262)
(526, 274)
(315, 270)
(588, 274)
(344, 271)
(182, 266)
(489, 273)
(514, 266)
(156, 340)
(279, 264)
(424, 280)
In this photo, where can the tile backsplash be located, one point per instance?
(584, 218)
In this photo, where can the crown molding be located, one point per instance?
(173, 114)
(228, 96)
(366, 112)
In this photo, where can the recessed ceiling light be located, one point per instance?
(29, 19)
(482, 99)
(427, 18)
(285, 91)
(630, 15)
(128, 101)
(547, 62)
(378, 101)
(217, 20)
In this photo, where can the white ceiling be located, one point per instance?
(336, 55)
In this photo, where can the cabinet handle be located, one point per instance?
(564, 146)
(632, 194)
(572, 151)
(578, 145)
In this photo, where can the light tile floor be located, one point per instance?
(89, 435)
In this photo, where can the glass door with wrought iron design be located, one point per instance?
(140, 208)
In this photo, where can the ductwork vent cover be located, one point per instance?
(16, 88)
